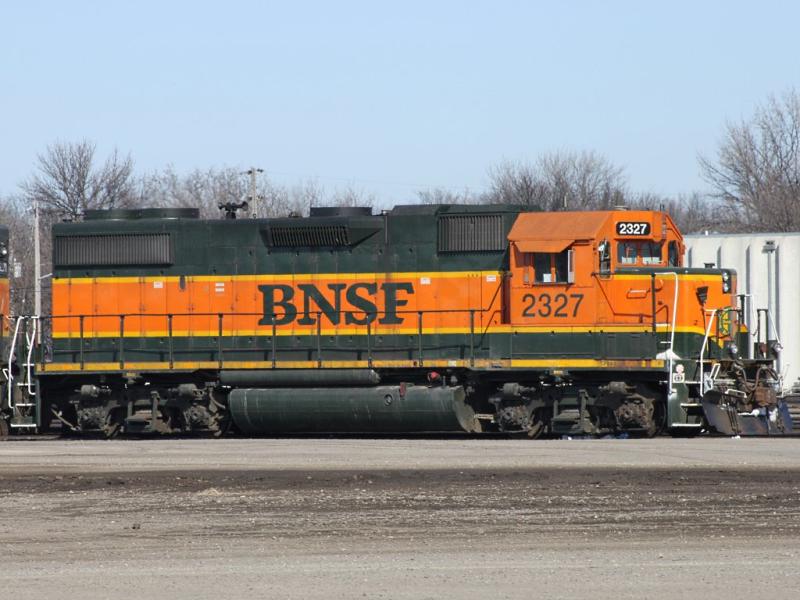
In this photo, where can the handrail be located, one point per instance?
(670, 351)
(31, 340)
(371, 313)
(11, 352)
(368, 319)
(363, 322)
(713, 312)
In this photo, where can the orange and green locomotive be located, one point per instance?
(419, 319)
(7, 412)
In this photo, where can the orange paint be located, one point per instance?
(570, 268)
(5, 304)
(568, 272)
(195, 303)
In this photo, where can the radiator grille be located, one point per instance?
(118, 249)
(471, 233)
(314, 236)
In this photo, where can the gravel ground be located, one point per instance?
(398, 518)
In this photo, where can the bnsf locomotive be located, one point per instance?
(419, 319)
(6, 400)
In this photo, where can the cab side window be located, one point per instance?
(672, 255)
(639, 252)
(553, 267)
(627, 252)
(651, 253)
(541, 265)
(604, 255)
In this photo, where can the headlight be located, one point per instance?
(726, 282)
(733, 350)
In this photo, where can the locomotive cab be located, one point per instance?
(621, 274)
(612, 268)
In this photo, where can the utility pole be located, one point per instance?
(37, 262)
(254, 199)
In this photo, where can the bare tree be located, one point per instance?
(516, 183)
(446, 196)
(559, 181)
(206, 189)
(15, 214)
(305, 195)
(352, 196)
(756, 170)
(692, 212)
(68, 181)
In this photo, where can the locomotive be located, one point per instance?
(6, 401)
(423, 318)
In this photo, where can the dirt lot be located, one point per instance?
(455, 518)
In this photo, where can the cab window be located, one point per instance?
(627, 252)
(552, 267)
(673, 256)
(639, 252)
(604, 255)
(651, 253)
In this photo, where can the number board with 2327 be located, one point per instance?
(633, 228)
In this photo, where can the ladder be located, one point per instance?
(21, 390)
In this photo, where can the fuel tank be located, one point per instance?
(384, 409)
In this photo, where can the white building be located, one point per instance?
(768, 271)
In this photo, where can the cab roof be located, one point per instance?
(557, 231)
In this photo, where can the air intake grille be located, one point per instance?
(119, 249)
(471, 233)
(314, 236)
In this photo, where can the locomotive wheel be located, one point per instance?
(224, 427)
(644, 417)
(113, 424)
(658, 421)
(538, 425)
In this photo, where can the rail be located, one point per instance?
(670, 352)
(84, 329)
(12, 350)
(21, 341)
(221, 337)
(711, 320)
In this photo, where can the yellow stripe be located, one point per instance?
(351, 364)
(587, 363)
(286, 277)
(664, 276)
(266, 331)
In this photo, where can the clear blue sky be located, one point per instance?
(389, 96)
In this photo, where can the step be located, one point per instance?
(139, 422)
(568, 415)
